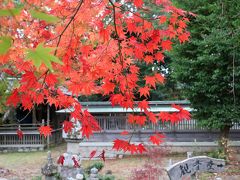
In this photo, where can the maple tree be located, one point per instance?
(89, 47)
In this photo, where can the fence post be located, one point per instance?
(42, 139)
(48, 119)
(104, 124)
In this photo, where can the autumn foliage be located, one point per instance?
(89, 47)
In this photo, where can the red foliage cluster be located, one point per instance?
(89, 47)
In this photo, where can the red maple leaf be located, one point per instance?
(61, 160)
(159, 78)
(75, 162)
(183, 37)
(141, 148)
(173, 19)
(157, 138)
(8, 71)
(131, 119)
(29, 79)
(108, 87)
(13, 99)
(151, 117)
(128, 147)
(143, 105)
(136, 119)
(182, 113)
(67, 126)
(182, 24)
(138, 3)
(151, 81)
(144, 91)
(159, 57)
(45, 130)
(148, 59)
(117, 99)
(132, 148)
(119, 144)
(102, 155)
(131, 26)
(166, 45)
(92, 154)
(124, 133)
(51, 79)
(86, 130)
(141, 120)
(46, 34)
(26, 101)
(164, 116)
(20, 134)
(162, 19)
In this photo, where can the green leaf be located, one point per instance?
(43, 16)
(10, 12)
(5, 44)
(42, 55)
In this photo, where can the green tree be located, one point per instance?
(208, 67)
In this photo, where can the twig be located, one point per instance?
(70, 21)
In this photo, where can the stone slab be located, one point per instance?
(193, 165)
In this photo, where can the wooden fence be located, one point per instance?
(30, 139)
(109, 124)
(114, 123)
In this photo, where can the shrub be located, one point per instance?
(98, 165)
(107, 177)
(219, 154)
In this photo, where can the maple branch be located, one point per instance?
(114, 17)
(61, 34)
(119, 42)
(134, 13)
(69, 22)
(19, 120)
(117, 35)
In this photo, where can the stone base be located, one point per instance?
(68, 172)
(21, 149)
(85, 148)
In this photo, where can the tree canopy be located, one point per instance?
(208, 67)
(88, 47)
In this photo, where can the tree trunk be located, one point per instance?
(34, 117)
(224, 139)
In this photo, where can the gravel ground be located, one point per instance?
(26, 166)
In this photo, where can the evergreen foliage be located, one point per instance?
(208, 67)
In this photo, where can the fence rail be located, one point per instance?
(111, 123)
(31, 137)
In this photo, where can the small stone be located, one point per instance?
(70, 178)
(93, 175)
(189, 154)
(108, 172)
(79, 176)
(20, 150)
(94, 170)
(120, 156)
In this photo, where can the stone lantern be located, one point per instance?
(49, 170)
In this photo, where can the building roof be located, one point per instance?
(106, 107)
